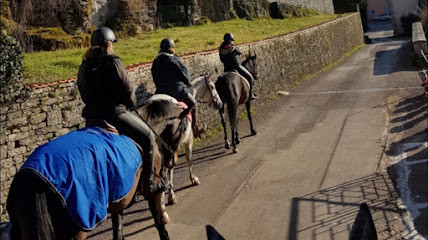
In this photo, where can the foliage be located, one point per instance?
(423, 13)
(177, 13)
(406, 22)
(344, 6)
(11, 65)
(251, 9)
(62, 64)
(283, 10)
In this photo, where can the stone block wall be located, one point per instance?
(54, 109)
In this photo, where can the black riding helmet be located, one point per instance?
(228, 37)
(102, 35)
(166, 43)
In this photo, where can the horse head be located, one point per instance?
(251, 65)
(163, 116)
(204, 91)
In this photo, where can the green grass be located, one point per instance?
(62, 64)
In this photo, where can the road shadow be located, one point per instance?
(408, 113)
(393, 60)
(408, 171)
(333, 210)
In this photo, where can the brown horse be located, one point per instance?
(234, 90)
(37, 212)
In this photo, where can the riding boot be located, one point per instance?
(247, 75)
(190, 101)
(253, 95)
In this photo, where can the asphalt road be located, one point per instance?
(332, 143)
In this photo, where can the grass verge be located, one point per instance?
(43, 67)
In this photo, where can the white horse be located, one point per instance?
(204, 91)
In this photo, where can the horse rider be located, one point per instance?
(228, 55)
(106, 91)
(171, 77)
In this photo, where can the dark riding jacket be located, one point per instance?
(104, 87)
(228, 55)
(170, 76)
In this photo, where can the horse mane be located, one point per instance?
(142, 96)
(248, 59)
(160, 110)
(197, 79)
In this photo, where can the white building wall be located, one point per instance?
(399, 8)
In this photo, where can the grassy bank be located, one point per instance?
(50, 66)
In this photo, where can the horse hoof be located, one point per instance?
(238, 141)
(165, 218)
(195, 181)
(253, 132)
(227, 144)
(172, 200)
(235, 150)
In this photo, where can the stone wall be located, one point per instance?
(322, 6)
(53, 109)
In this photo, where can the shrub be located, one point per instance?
(406, 22)
(11, 65)
(343, 6)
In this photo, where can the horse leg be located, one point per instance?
(248, 106)
(155, 205)
(117, 221)
(189, 147)
(233, 118)
(223, 123)
(171, 195)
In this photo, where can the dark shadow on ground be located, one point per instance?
(409, 172)
(334, 209)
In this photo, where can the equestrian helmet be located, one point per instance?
(166, 43)
(228, 37)
(102, 35)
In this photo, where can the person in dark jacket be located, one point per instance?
(171, 77)
(105, 89)
(228, 55)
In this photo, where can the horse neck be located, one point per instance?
(246, 64)
(199, 86)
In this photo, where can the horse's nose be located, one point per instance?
(218, 104)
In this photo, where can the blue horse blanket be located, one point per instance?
(88, 167)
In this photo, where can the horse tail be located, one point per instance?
(28, 210)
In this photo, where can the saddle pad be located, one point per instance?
(88, 167)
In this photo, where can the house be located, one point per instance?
(378, 9)
(399, 8)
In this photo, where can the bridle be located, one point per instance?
(174, 148)
(171, 148)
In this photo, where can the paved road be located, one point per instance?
(356, 133)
